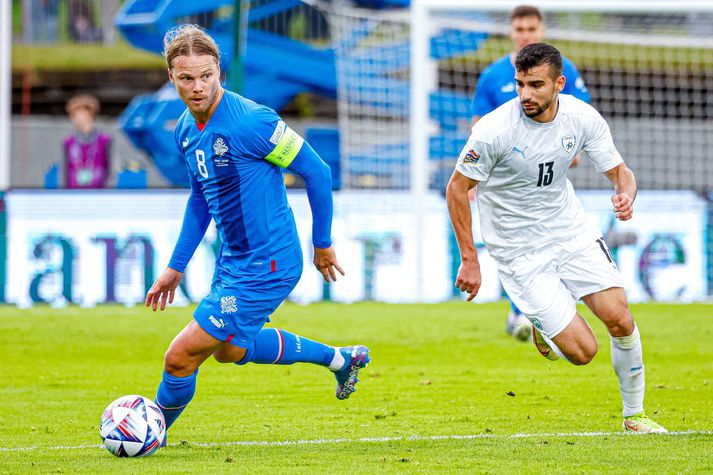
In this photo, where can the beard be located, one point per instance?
(537, 110)
(206, 104)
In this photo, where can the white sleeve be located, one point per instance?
(477, 159)
(599, 146)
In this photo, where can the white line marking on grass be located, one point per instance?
(281, 443)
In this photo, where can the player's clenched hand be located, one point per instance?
(468, 279)
(325, 260)
(164, 288)
(623, 206)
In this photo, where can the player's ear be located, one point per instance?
(170, 75)
(561, 82)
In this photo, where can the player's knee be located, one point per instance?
(622, 324)
(176, 365)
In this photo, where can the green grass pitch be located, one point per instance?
(437, 372)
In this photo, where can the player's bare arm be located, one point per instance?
(625, 188)
(325, 260)
(164, 289)
(468, 279)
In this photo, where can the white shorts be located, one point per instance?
(545, 284)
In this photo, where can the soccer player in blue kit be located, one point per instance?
(235, 150)
(496, 86)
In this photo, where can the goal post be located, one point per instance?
(5, 91)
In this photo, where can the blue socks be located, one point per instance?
(273, 346)
(173, 395)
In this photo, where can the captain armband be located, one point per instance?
(287, 142)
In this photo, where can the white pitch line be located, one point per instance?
(282, 443)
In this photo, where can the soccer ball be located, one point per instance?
(521, 328)
(132, 426)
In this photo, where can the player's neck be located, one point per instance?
(205, 117)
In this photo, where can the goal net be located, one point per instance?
(407, 78)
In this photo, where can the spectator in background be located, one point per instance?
(86, 151)
(82, 25)
(43, 17)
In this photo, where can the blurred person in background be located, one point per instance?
(496, 86)
(82, 26)
(86, 150)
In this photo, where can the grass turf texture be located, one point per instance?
(437, 370)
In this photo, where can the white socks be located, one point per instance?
(627, 360)
(337, 361)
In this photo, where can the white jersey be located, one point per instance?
(525, 199)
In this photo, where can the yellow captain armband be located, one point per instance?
(288, 144)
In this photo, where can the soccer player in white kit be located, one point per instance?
(535, 228)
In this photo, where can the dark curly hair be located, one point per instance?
(538, 54)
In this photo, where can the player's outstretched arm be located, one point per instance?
(625, 188)
(164, 289)
(468, 279)
(318, 182)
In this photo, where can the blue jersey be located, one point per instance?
(235, 162)
(496, 85)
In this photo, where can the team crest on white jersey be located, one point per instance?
(569, 142)
(219, 147)
(228, 304)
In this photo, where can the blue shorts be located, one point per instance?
(237, 308)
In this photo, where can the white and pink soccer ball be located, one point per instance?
(132, 426)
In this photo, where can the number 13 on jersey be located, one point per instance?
(546, 173)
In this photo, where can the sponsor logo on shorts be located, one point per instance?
(218, 322)
(535, 323)
(228, 304)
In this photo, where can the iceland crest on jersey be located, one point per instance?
(568, 142)
(471, 156)
(228, 304)
(219, 147)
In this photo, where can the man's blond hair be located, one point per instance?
(188, 40)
